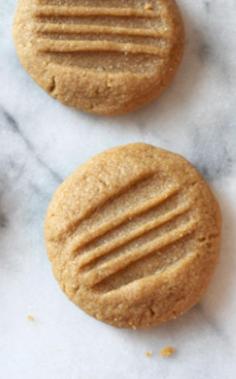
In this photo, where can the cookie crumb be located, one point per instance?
(30, 318)
(149, 354)
(167, 351)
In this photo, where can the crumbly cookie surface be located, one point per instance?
(105, 57)
(133, 236)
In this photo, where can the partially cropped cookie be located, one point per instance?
(102, 56)
(133, 236)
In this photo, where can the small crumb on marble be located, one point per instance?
(167, 351)
(149, 354)
(30, 318)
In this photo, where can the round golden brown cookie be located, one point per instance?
(133, 236)
(102, 56)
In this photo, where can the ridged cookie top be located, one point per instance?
(134, 37)
(126, 218)
(108, 35)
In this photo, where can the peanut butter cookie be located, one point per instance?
(102, 56)
(133, 236)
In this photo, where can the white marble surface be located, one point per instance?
(41, 142)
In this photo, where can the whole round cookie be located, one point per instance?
(133, 236)
(102, 56)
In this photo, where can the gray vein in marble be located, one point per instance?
(15, 127)
(14, 167)
(205, 52)
(37, 190)
(214, 158)
(210, 322)
(207, 4)
(3, 220)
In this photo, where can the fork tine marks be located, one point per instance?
(57, 46)
(139, 232)
(72, 11)
(124, 218)
(96, 276)
(99, 29)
